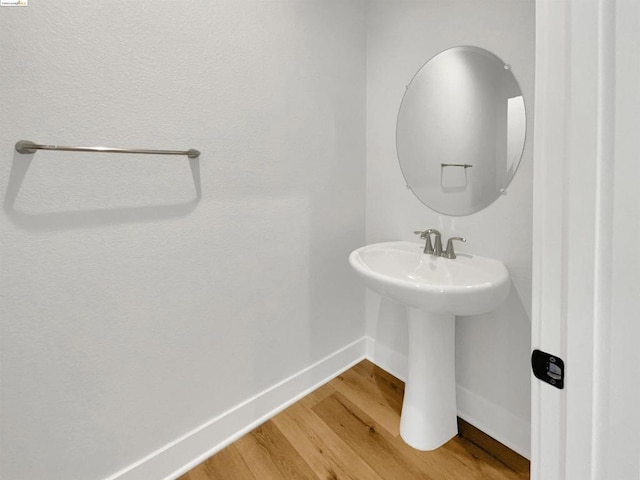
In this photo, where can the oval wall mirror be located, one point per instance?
(461, 130)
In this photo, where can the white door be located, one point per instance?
(586, 286)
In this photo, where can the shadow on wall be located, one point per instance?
(49, 221)
(392, 326)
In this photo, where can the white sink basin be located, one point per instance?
(434, 290)
(400, 271)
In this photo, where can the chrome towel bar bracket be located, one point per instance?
(25, 146)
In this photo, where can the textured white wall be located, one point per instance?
(132, 310)
(492, 350)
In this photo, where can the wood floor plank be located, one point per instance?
(515, 462)
(219, 466)
(344, 431)
(393, 385)
(478, 464)
(325, 452)
(366, 438)
(458, 459)
(317, 395)
(270, 456)
(375, 396)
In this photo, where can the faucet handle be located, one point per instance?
(426, 234)
(449, 252)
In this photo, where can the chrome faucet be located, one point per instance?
(434, 248)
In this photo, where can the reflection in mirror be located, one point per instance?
(461, 130)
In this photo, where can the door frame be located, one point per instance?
(573, 170)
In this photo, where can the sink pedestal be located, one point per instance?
(429, 414)
(433, 289)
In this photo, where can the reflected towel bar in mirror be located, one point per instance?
(465, 165)
(25, 146)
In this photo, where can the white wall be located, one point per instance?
(133, 310)
(492, 350)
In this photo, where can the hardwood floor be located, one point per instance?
(348, 429)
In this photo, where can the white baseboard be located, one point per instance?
(186, 452)
(492, 419)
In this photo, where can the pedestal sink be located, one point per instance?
(434, 290)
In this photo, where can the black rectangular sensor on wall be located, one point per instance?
(548, 368)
